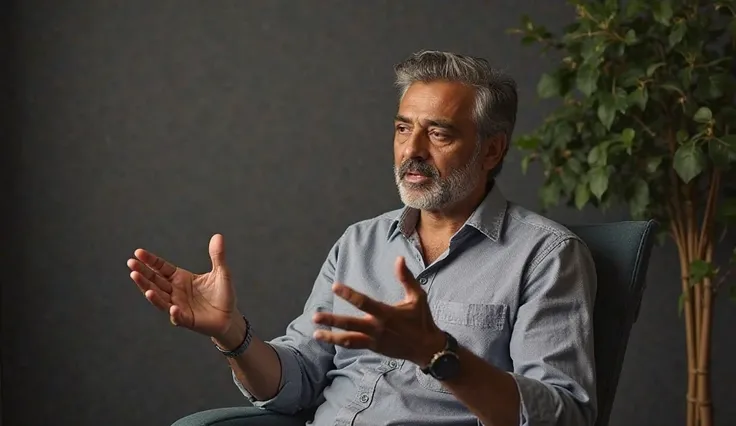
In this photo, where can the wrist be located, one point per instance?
(233, 335)
(433, 344)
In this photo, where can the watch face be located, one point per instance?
(446, 366)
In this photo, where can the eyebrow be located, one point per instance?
(436, 122)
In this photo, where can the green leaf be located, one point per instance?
(550, 194)
(653, 68)
(562, 134)
(653, 164)
(592, 49)
(527, 23)
(718, 84)
(689, 161)
(639, 201)
(582, 195)
(677, 33)
(720, 153)
(527, 142)
(630, 37)
(630, 78)
(627, 136)
(703, 115)
(569, 180)
(699, 270)
(525, 164)
(599, 181)
(587, 79)
(548, 86)
(607, 110)
(634, 7)
(662, 10)
(598, 155)
(639, 97)
(574, 165)
(732, 293)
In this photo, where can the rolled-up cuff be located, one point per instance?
(287, 396)
(538, 402)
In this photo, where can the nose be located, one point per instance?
(415, 145)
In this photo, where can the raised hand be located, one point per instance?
(406, 330)
(204, 303)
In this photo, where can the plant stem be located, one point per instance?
(689, 338)
(693, 254)
(679, 224)
(705, 245)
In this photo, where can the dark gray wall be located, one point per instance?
(158, 123)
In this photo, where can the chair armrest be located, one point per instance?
(238, 416)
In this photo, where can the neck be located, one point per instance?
(447, 221)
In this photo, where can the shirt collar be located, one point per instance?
(487, 218)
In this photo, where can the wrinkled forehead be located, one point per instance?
(438, 103)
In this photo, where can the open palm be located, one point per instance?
(201, 302)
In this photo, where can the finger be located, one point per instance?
(217, 252)
(158, 264)
(360, 300)
(348, 339)
(162, 283)
(156, 300)
(179, 317)
(145, 285)
(413, 288)
(367, 325)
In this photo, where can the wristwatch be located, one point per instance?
(445, 364)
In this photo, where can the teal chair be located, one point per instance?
(621, 253)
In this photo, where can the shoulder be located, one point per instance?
(540, 236)
(372, 228)
(527, 224)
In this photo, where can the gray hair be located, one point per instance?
(496, 98)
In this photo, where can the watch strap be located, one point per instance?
(243, 346)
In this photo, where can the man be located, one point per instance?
(484, 318)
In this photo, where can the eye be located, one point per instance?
(402, 129)
(439, 136)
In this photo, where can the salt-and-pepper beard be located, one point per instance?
(439, 192)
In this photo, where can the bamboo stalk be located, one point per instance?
(689, 337)
(679, 230)
(705, 250)
(692, 254)
(703, 384)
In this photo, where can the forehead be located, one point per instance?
(439, 99)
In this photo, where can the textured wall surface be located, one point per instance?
(158, 123)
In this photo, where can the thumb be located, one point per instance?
(413, 289)
(217, 252)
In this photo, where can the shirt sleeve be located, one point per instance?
(552, 341)
(304, 360)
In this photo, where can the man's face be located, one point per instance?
(438, 158)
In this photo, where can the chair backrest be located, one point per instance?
(621, 254)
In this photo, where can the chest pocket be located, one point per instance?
(481, 328)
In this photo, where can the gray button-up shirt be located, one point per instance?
(514, 288)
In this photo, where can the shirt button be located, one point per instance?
(364, 398)
(422, 281)
(393, 363)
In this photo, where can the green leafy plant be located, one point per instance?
(646, 119)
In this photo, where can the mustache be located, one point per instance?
(415, 166)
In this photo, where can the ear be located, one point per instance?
(494, 149)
